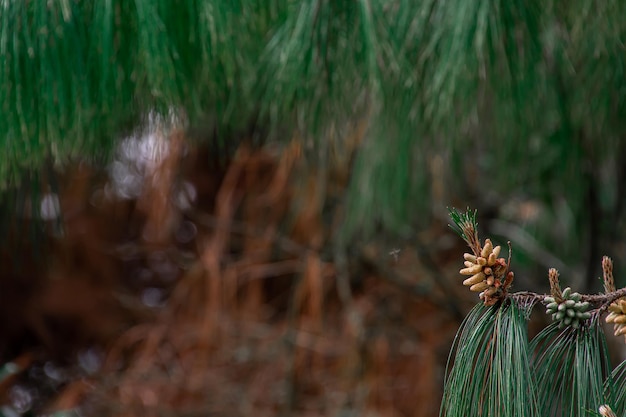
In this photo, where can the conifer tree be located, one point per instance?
(523, 92)
(520, 92)
(564, 370)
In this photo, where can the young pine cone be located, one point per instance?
(617, 316)
(569, 311)
(487, 273)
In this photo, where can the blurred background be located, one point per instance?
(237, 208)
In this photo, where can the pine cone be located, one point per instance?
(569, 310)
(617, 316)
(489, 274)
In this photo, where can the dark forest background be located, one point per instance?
(240, 207)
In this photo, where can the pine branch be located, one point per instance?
(491, 375)
(570, 366)
(601, 301)
(491, 276)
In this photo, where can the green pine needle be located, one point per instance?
(486, 86)
(491, 374)
(462, 222)
(616, 386)
(570, 367)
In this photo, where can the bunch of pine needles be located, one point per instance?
(496, 371)
(424, 75)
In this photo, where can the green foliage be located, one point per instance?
(497, 372)
(491, 375)
(617, 386)
(463, 222)
(76, 74)
(571, 366)
(565, 370)
(519, 92)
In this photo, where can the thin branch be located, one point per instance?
(601, 301)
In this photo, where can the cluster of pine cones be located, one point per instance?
(568, 310)
(617, 316)
(489, 274)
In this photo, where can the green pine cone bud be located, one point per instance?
(552, 306)
(582, 307)
(570, 312)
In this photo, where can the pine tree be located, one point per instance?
(524, 92)
(520, 92)
(563, 370)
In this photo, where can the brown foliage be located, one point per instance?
(253, 322)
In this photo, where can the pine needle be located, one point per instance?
(570, 366)
(491, 375)
(489, 85)
(616, 386)
(466, 226)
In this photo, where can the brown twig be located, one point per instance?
(555, 287)
(600, 301)
(607, 273)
